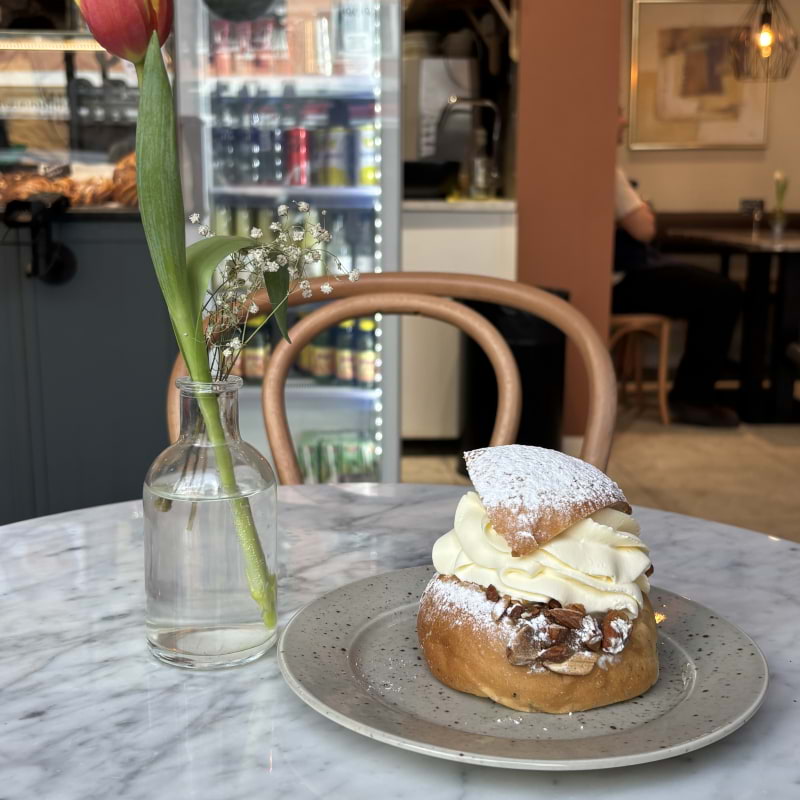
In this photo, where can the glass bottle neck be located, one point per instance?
(209, 411)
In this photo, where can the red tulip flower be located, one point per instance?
(124, 27)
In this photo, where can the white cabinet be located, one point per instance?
(479, 238)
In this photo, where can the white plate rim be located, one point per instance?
(480, 759)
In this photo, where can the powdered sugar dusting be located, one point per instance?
(540, 486)
(461, 602)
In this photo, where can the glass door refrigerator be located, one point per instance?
(298, 100)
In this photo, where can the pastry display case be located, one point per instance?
(67, 118)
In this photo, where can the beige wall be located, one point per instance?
(715, 180)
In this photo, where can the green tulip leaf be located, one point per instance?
(161, 205)
(203, 257)
(278, 290)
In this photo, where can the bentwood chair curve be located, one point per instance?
(509, 385)
(601, 415)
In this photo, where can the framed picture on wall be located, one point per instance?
(683, 92)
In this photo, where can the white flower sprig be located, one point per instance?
(289, 245)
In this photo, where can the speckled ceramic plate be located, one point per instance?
(353, 656)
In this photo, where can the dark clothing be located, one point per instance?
(709, 302)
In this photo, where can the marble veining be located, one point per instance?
(87, 714)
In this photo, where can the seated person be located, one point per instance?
(709, 302)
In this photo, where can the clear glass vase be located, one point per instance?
(210, 538)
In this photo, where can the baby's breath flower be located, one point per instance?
(272, 266)
(298, 235)
(303, 206)
(326, 288)
(353, 275)
(281, 259)
(308, 256)
(305, 285)
(324, 235)
(307, 294)
(275, 226)
(316, 255)
(283, 210)
(256, 233)
(204, 230)
(293, 253)
(294, 273)
(227, 352)
(253, 308)
(194, 218)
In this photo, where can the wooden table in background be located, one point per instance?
(760, 249)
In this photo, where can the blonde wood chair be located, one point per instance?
(509, 384)
(627, 338)
(578, 330)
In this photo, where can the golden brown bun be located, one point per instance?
(466, 649)
(532, 494)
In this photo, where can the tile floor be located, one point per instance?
(748, 477)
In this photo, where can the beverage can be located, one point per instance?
(365, 355)
(243, 56)
(221, 47)
(297, 162)
(257, 349)
(223, 221)
(365, 155)
(323, 358)
(337, 172)
(242, 221)
(345, 345)
(318, 144)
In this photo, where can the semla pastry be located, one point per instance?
(540, 600)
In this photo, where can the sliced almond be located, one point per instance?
(500, 608)
(558, 652)
(580, 663)
(557, 633)
(616, 627)
(567, 617)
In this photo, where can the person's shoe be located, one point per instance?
(708, 416)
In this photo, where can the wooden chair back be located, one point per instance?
(601, 417)
(509, 385)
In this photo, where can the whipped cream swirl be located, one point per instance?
(599, 561)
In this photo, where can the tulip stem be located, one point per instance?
(161, 204)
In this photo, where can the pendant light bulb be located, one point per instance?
(766, 36)
(764, 46)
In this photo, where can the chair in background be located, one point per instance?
(509, 385)
(627, 338)
(599, 430)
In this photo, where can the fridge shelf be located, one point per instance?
(301, 86)
(306, 388)
(330, 197)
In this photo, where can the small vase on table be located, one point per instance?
(210, 538)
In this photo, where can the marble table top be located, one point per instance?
(88, 714)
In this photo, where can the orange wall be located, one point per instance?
(566, 148)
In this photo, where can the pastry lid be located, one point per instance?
(532, 494)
